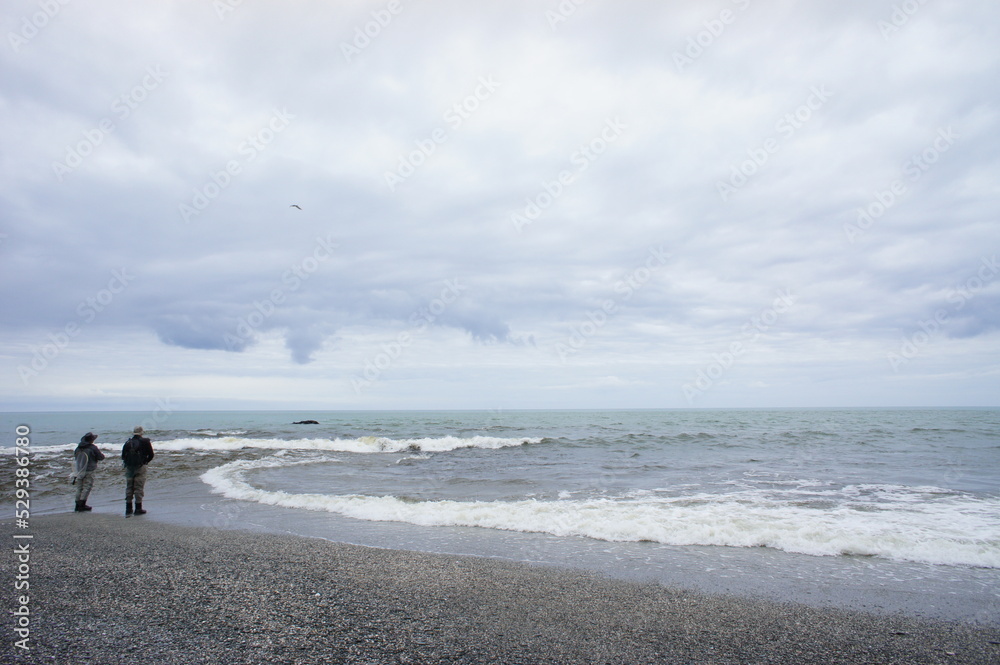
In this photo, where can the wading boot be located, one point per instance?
(84, 506)
(128, 508)
(79, 507)
(138, 508)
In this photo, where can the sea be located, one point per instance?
(880, 510)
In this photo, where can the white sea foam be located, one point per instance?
(49, 451)
(364, 444)
(918, 524)
(209, 432)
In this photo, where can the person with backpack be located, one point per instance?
(136, 454)
(85, 459)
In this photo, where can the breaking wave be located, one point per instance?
(917, 524)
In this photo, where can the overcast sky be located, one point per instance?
(500, 204)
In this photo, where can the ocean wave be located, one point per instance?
(687, 436)
(895, 522)
(364, 444)
(47, 451)
(213, 433)
(207, 443)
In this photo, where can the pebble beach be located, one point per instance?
(104, 589)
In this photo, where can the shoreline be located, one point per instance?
(872, 585)
(140, 590)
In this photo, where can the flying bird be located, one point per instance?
(295, 206)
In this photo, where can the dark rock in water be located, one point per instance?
(306, 422)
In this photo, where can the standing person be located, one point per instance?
(136, 454)
(85, 458)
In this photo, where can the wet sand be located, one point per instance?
(105, 589)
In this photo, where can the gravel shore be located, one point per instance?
(108, 590)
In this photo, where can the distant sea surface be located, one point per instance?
(913, 486)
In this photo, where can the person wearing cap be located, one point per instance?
(85, 458)
(136, 454)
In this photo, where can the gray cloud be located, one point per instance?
(200, 333)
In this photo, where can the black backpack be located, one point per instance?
(132, 455)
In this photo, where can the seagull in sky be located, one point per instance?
(295, 206)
